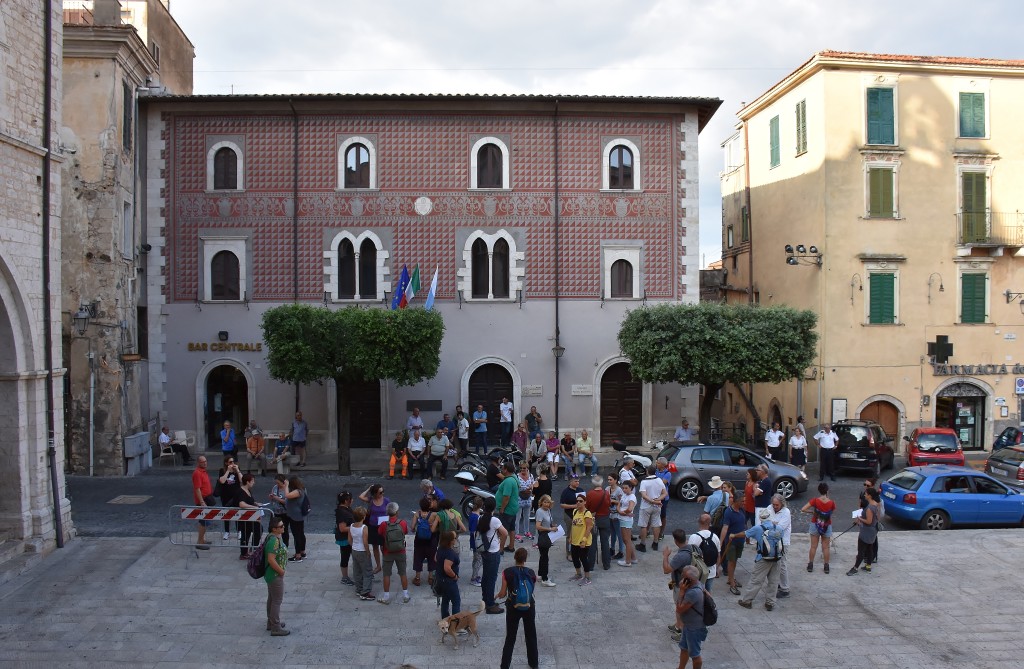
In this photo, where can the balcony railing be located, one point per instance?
(990, 228)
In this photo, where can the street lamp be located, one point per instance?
(80, 320)
(558, 350)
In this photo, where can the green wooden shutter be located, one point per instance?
(973, 207)
(972, 114)
(880, 192)
(883, 299)
(881, 116)
(972, 298)
(773, 137)
(801, 127)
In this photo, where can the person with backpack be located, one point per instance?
(767, 538)
(717, 502)
(710, 546)
(422, 549)
(734, 522)
(782, 518)
(297, 507)
(277, 503)
(822, 509)
(691, 610)
(276, 557)
(686, 555)
(251, 530)
(867, 534)
(393, 532)
(517, 585)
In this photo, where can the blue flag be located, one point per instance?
(403, 284)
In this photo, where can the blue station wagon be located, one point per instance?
(937, 497)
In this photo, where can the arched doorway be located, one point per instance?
(227, 398)
(961, 406)
(10, 413)
(364, 414)
(621, 406)
(487, 385)
(887, 415)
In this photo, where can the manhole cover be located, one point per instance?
(130, 499)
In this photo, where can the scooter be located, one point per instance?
(641, 460)
(474, 465)
(509, 454)
(470, 490)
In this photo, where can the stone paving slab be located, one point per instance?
(936, 600)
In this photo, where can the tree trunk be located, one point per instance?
(344, 429)
(706, 403)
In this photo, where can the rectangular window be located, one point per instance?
(974, 207)
(880, 192)
(744, 224)
(729, 237)
(881, 116)
(882, 296)
(972, 114)
(128, 232)
(972, 297)
(801, 127)
(773, 134)
(126, 116)
(142, 331)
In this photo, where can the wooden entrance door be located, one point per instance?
(621, 406)
(364, 414)
(487, 385)
(888, 416)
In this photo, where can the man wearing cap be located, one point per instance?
(764, 570)
(567, 501)
(827, 442)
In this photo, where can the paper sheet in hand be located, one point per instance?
(557, 535)
(857, 513)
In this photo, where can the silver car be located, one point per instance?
(695, 464)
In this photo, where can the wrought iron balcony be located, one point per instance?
(990, 228)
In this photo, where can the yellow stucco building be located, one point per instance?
(884, 193)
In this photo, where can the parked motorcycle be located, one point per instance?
(640, 460)
(507, 454)
(473, 464)
(470, 491)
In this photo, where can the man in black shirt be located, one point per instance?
(399, 453)
(493, 473)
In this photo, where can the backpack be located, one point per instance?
(257, 563)
(718, 514)
(770, 547)
(708, 549)
(394, 537)
(422, 528)
(304, 506)
(697, 560)
(710, 613)
(522, 592)
(822, 520)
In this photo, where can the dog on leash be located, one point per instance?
(466, 620)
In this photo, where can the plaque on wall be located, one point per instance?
(582, 389)
(533, 391)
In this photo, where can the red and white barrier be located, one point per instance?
(220, 513)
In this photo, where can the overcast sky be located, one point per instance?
(733, 50)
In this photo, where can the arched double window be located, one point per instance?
(493, 268)
(489, 168)
(620, 168)
(356, 267)
(224, 167)
(357, 164)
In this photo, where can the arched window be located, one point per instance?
(346, 270)
(367, 270)
(224, 276)
(225, 169)
(357, 167)
(480, 270)
(622, 278)
(489, 167)
(499, 269)
(620, 168)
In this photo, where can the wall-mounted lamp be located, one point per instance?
(558, 350)
(327, 297)
(931, 280)
(1011, 296)
(222, 335)
(803, 255)
(86, 312)
(855, 281)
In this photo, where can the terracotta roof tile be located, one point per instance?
(924, 60)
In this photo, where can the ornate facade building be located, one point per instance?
(545, 217)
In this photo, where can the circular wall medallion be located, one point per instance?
(423, 205)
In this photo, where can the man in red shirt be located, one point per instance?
(599, 503)
(202, 495)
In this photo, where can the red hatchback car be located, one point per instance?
(934, 446)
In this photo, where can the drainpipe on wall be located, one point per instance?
(51, 451)
(295, 217)
(558, 359)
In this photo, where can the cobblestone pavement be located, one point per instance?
(936, 600)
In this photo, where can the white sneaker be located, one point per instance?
(226, 536)
(623, 563)
(549, 583)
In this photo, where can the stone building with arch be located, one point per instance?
(546, 218)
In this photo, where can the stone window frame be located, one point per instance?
(239, 167)
(516, 269)
(606, 153)
(631, 252)
(474, 156)
(371, 148)
(211, 245)
(332, 268)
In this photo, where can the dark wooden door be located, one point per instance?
(621, 406)
(888, 416)
(487, 385)
(364, 414)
